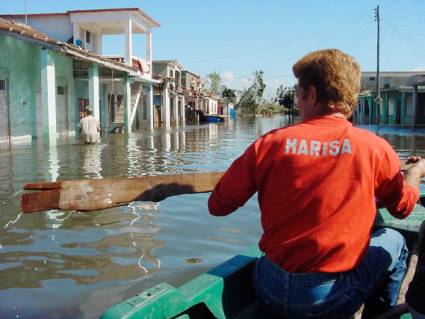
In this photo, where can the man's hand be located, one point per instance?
(414, 170)
(416, 163)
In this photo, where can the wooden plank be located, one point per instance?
(38, 201)
(42, 185)
(96, 194)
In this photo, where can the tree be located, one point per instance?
(229, 95)
(252, 96)
(285, 96)
(214, 83)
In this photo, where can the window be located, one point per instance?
(82, 103)
(171, 73)
(372, 78)
(60, 90)
(88, 37)
(2, 85)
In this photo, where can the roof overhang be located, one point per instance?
(29, 34)
(416, 80)
(113, 21)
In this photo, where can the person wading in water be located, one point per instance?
(89, 128)
(317, 183)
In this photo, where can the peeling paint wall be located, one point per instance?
(66, 115)
(22, 60)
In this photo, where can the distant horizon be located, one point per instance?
(238, 37)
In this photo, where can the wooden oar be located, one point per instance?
(96, 194)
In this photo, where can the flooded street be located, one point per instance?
(59, 264)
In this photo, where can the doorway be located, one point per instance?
(62, 110)
(4, 108)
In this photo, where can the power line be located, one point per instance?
(410, 24)
(386, 52)
(415, 14)
(286, 42)
(296, 56)
(405, 39)
(362, 34)
(403, 7)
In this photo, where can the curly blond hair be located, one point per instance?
(334, 74)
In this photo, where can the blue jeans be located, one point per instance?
(375, 282)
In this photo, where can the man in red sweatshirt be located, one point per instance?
(317, 184)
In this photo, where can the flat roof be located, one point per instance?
(137, 10)
(175, 62)
(394, 73)
(28, 33)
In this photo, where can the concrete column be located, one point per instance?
(149, 106)
(165, 107)
(127, 103)
(183, 111)
(149, 50)
(386, 104)
(176, 109)
(99, 44)
(48, 95)
(415, 104)
(128, 41)
(403, 108)
(94, 89)
(76, 33)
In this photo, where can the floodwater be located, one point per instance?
(61, 264)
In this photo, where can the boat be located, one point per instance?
(215, 118)
(226, 290)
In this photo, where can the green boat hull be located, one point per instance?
(226, 291)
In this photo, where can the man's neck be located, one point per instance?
(319, 114)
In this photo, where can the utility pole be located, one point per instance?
(378, 92)
(26, 14)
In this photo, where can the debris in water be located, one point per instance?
(193, 260)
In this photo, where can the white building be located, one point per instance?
(130, 96)
(169, 94)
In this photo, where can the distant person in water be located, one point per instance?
(317, 183)
(89, 128)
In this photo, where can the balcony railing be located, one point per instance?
(137, 63)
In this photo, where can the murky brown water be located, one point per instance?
(75, 265)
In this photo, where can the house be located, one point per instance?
(192, 88)
(402, 99)
(196, 96)
(53, 67)
(209, 105)
(168, 96)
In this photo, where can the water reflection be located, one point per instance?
(53, 163)
(97, 258)
(6, 175)
(144, 234)
(92, 160)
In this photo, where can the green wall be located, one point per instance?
(65, 77)
(22, 61)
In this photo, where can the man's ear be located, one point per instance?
(312, 95)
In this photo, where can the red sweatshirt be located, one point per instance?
(317, 182)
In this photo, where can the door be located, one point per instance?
(62, 110)
(398, 112)
(4, 108)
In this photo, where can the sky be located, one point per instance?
(237, 37)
